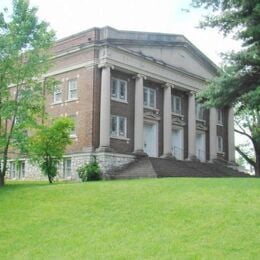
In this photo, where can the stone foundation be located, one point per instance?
(107, 162)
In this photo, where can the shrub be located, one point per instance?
(90, 171)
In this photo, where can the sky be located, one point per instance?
(67, 17)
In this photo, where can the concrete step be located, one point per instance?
(158, 167)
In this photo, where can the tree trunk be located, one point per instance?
(257, 165)
(2, 180)
(50, 178)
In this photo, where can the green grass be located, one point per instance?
(178, 218)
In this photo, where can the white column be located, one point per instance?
(139, 115)
(104, 142)
(212, 133)
(192, 127)
(231, 135)
(167, 120)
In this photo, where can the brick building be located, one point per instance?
(133, 93)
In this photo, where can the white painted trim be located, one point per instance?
(175, 127)
(69, 68)
(151, 122)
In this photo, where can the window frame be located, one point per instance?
(200, 110)
(70, 89)
(220, 117)
(117, 96)
(73, 133)
(55, 101)
(65, 167)
(220, 144)
(116, 133)
(174, 110)
(149, 90)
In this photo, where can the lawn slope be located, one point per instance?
(137, 219)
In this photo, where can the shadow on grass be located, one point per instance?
(15, 185)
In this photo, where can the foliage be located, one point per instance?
(247, 123)
(239, 79)
(24, 41)
(48, 144)
(89, 171)
(164, 218)
(238, 82)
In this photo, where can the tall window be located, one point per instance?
(57, 94)
(176, 104)
(73, 130)
(67, 167)
(199, 111)
(220, 144)
(149, 97)
(119, 90)
(220, 116)
(118, 126)
(12, 169)
(72, 89)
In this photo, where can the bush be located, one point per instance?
(89, 171)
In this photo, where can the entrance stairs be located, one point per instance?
(148, 167)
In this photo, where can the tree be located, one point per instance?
(238, 81)
(247, 124)
(24, 41)
(48, 144)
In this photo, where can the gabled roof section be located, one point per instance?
(126, 38)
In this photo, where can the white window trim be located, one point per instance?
(174, 97)
(182, 140)
(151, 122)
(65, 167)
(74, 133)
(221, 151)
(148, 101)
(116, 135)
(198, 108)
(55, 93)
(220, 122)
(69, 90)
(117, 98)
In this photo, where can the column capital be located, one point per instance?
(139, 76)
(106, 65)
(191, 93)
(168, 85)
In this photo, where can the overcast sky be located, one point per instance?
(71, 16)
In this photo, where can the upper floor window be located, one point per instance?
(176, 104)
(220, 144)
(73, 130)
(72, 89)
(149, 97)
(199, 111)
(118, 126)
(220, 116)
(119, 90)
(57, 94)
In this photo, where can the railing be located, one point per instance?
(178, 153)
(201, 155)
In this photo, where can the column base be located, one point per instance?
(140, 153)
(104, 149)
(168, 156)
(193, 158)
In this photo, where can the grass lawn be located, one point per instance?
(177, 218)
